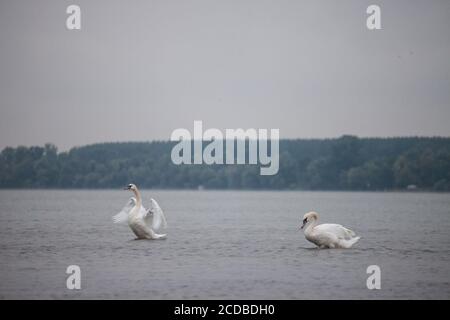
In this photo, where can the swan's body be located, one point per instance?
(327, 235)
(144, 223)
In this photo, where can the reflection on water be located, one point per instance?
(230, 245)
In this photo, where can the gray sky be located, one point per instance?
(138, 70)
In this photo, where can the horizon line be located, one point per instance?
(237, 139)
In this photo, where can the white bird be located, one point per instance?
(327, 235)
(144, 223)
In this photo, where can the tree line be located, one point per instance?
(345, 163)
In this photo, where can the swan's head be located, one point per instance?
(308, 217)
(131, 187)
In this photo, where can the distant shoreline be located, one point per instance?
(347, 163)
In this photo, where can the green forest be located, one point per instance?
(345, 163)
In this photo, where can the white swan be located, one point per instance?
(144, 223)
(327, 235)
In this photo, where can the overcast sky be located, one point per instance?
(137, 70)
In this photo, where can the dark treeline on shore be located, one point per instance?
(346, 163)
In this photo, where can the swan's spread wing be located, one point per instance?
(122, 216)
(158, 215)
(155, 216)
(335, 229)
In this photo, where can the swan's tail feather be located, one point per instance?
(349, 234)
(349, 243)
(153, 235)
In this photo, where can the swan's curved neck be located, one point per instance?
(138, 198)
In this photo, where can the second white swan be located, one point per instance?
(327, 235)
(144, 223)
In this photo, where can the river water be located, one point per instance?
(223, 245)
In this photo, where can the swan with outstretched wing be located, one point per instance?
(144, 223)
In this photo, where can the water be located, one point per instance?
(223, 245)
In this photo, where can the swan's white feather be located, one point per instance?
(336, 229)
